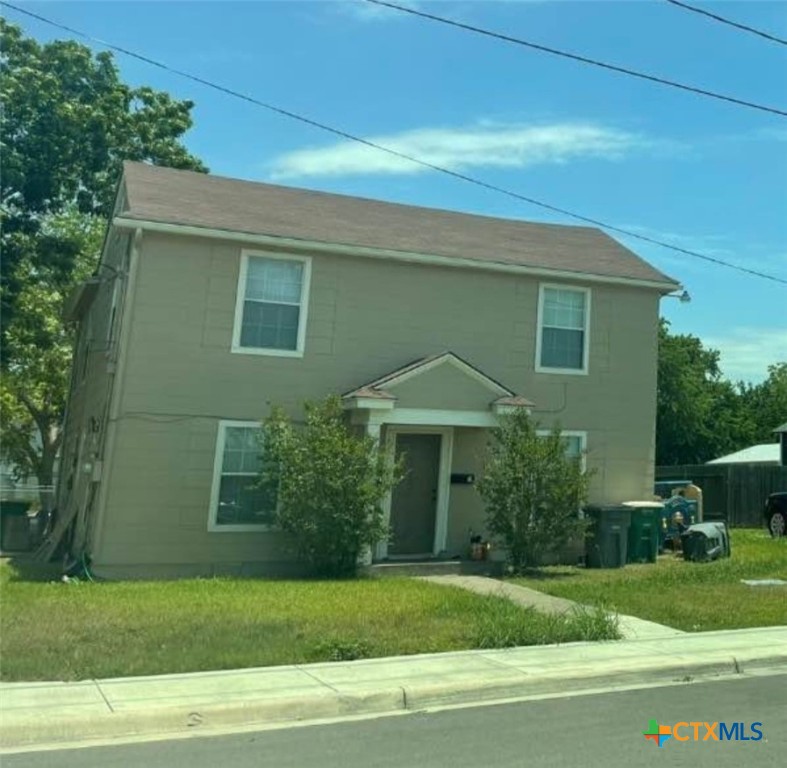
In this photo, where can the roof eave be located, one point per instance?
(250, 238)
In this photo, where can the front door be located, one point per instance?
(414, 499)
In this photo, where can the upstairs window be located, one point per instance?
(270, 314)
(563, 327)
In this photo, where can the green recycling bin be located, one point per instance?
(607, 541)
(645, 531)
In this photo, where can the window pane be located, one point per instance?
(564, 309)
(269, 326)
(562, 348)
(241, 450)
(274, 280)
(573, 445)
(241, 504)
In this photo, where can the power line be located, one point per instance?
(577, 57)
(731, 23)
(395, 153)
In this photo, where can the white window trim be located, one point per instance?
(218, 461)
(581, 434)
(540, 330)
(240, 298)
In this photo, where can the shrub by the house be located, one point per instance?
(329, 483)
(532, 490)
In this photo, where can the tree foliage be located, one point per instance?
(532, 490)
(329, 485)
(766, 403)
(35, 380)
(68, 124)
(701, 415)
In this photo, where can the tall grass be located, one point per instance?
(56, 631)
(501, 624)
(686, 595)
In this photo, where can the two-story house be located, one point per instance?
(216, 298)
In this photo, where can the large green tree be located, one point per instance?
(35, 380)
(68, 123)
(766, 403)
(702, 415)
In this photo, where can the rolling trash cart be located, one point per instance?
(607, 542)
(644, 535)
(706, 541)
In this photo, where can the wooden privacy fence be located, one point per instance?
(732, 492)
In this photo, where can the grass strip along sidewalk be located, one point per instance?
(694, 597)
(57, 631)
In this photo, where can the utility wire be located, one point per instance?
(577, 57)
(388, 150)
(716, 17)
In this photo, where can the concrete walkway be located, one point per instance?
(630, 626)
(47, 714)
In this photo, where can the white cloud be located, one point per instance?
(483, 145)
(364, 11)
(746, 353)
(774, 134)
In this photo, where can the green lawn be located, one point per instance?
(56, 631)
(694, 597)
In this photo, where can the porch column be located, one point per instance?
(372, 428)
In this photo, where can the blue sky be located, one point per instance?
(700, 173)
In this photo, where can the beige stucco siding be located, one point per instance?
(159, 505)
(366, 317)
(466, 512)
(444, 388)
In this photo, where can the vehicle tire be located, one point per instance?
(777, 524)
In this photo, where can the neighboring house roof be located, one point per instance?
(187, 198)
(767, 453)
(782, 428)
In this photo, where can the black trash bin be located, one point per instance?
(14, 526)
(607, 539)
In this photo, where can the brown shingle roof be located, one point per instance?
(185, 197)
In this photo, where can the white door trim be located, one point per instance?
(443, 481)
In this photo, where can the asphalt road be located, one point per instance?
(602, 730)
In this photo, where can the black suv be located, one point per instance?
(776, 513)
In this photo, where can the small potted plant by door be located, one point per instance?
(478, 547)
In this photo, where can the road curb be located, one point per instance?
(26, 731)
(19, 731)
(429, 696)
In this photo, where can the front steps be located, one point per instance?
(394, 568)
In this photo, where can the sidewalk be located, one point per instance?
(630, 627)
(52, 713)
